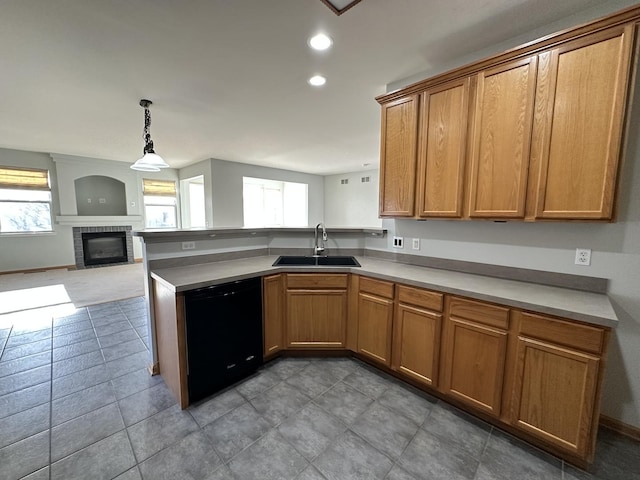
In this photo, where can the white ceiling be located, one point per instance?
(228, 78)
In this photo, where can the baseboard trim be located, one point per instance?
(153, 369)
(620, 427)
(39, 270)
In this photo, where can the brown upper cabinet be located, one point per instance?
(580, 105)
(501, 139)
(443, 149)
(399, 148)
(535, 133)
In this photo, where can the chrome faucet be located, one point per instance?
(318, 251)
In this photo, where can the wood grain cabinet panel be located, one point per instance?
(443, 149)
(273, 314)
(501, 139)
(316, 318)
(398, 157)
(416, 343)
(581, 100)
(375, 320)
(556, 385)
(555, 394)
(316, 310)
(475, 355)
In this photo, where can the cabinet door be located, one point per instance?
(443, 149)
(416, 343)
(475, 351)
(501, 140)
(555, 394)
(273, 299)
(398, 156)
(581, 99)
(375, 317)
(316, 318)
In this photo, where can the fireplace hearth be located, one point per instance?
(102, 246)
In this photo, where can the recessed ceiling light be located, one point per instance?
(320, 42)
(317, 80)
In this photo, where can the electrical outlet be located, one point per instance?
(188, 245)
(416, 244)
(583, 256)
(398, 242)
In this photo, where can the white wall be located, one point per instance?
(227, 190)
(354, 204)
(551, 247)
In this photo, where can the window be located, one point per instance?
(159, 203)
(25, 201)
(270, 203)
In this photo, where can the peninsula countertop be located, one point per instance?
(594, 308)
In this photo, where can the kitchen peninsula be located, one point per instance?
(483, 343)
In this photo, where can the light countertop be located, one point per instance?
(578, 305)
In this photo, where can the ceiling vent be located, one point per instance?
(340, 6)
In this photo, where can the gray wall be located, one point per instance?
(100, 195)
(551, 247)
(226, 180)
(361, 198)
(37, 250)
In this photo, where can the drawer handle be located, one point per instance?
(229, 367)
(249, 358)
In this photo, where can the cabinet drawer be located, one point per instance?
(480, 312)
(320, 280)
(419, 297)
(376, 287)
(575, 335)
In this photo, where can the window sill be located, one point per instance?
(27, 234)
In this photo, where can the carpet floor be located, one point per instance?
(22, 291)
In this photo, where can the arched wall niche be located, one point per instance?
(98, 195)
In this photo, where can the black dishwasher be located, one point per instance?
(224, 335)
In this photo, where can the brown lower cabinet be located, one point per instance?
(316, 306)
(416, 335)
(375, 319)
(534, 374)
(273, 314)
(558, 371)
(474, 354)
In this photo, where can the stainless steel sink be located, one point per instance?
(334, 261)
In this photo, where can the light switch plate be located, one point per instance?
(398, 242)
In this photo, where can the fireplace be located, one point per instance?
(102, 246)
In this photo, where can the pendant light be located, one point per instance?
(150, 161)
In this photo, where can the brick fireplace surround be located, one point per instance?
(78, 247)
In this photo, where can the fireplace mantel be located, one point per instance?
(95, 221)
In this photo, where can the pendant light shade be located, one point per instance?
(150, 161)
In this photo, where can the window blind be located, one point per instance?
(164, 188)
(34, 179)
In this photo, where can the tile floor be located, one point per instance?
(76, 402)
